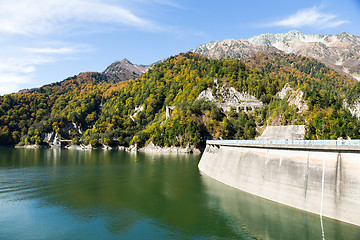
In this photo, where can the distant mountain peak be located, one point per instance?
(123, 70)
(239, 49)
(125, 60)
(346, 34)
(340, 52)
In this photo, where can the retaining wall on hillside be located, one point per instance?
(325, 181)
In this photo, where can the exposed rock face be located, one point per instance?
(124, 70)
(294, 97)
(290, 132)
(48, 137)
(207, 95)
(239, 49)
(66, 132)
(76, 147)
(168, 110)
(227, 97)
(354, 108)
(33, 146)
(132, 148)
(137, 110)
(282, 94)
(57, 141)
(69, 129)
(152, 148)
(340, 52)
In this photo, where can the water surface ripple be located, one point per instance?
(67, 194)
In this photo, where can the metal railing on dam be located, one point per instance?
(344, 145)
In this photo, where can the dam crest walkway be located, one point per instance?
(321, 145)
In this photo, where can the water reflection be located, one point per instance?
(70, 194)
(268, 220)
(131, 196)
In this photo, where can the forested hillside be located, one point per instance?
(122, 113)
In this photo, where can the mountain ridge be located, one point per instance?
(340, 52)
(103, 112)
(208, 93)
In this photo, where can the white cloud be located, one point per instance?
(169, 3)
(31, 32)
(19, 70)
(310, 17)
(14, 79)
(50, 50)
(13, 82)
(45, 16)
(6, 68)
(15, 73)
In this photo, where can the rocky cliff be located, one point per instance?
(226, 97)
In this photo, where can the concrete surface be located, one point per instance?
(324, 182)
(290, 132)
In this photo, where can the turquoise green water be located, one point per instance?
(64, 194)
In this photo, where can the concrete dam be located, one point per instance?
(317, 176)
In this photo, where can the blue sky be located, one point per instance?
(45, 41)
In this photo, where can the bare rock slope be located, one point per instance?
(340, 52)
(226, 97)
(124, 70)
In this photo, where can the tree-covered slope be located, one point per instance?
(134, 111)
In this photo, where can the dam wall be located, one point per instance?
(321, 179)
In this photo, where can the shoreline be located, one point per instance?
(150, 148)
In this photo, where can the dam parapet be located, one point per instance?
(321, 145)
(317, 176)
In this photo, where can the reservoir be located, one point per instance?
(70, 194)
